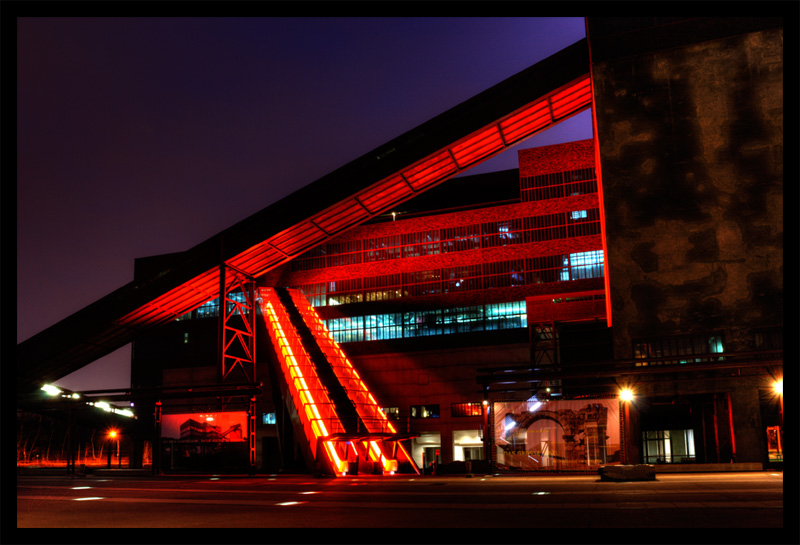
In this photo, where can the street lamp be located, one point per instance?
(113, 434)
(777, 386)
(626, 395)
(625, 399)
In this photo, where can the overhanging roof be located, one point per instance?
(460, 138)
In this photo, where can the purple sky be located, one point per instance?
(147, 136)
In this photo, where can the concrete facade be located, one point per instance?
(691, 155)
(691, 147)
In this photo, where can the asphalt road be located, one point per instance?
(700, 500)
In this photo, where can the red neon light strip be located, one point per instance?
(385, 193)
(572, 98)
(258, 259)
(298, 238)
(372, 415)
(314, 407)
(477, 147)
(341, 216)
(176, 302)
(526, 122)
(435, 168)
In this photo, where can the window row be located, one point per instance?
(211, 308)
(503, 274)
(686, 349)
(558, 184)
(423, 323)
(432, 411)
(454, 239)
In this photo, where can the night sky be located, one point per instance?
(147, 136)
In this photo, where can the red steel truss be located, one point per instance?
(333, 443)
(237, 326)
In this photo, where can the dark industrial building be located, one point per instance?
(493, 319)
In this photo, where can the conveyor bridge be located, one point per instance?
(343, 428)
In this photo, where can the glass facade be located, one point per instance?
(211, 308)
(687, 348)
(422, 323)
(501, 274)
(453, 239)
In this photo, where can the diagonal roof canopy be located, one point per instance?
(460, 138)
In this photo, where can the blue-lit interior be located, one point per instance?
(423, 323)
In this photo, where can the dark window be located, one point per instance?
(768, 338)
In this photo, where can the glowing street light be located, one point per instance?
(49, 389)
(112, 435)
(778, 387)
(626, 395)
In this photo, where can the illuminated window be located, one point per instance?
(668, 446)
(347, 330)
(464, 278)
(392, 412)
(466, 409)
(208, 310)
(317, 294)
(268, 418)
(342, 292)
(455, 239)
(686, 349)
(463, 320)
(382, 248)
(423, 323)
(461, 238)
(578, 214)
(420, 243)
(506, 315)
(383, 326)
(425, 411)
(383, 288)
(582, 265)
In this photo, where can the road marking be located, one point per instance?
(445, 506)
(436, 493)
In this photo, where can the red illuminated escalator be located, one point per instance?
(343, 427)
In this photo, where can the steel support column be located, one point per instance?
(157, 439)
(251, 434)
(237, 340)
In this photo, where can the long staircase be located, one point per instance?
(343, 429)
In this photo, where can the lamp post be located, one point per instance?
(778, 387)
(625, 399)
(487, 444)
(112, 434)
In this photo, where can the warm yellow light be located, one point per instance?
(626, 395)
(778, 387)
(112, 433)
